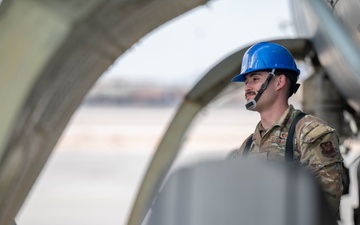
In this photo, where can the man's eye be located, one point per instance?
(251, 79)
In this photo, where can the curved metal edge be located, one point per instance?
(54, 95)
(212, 83)
(337, 50)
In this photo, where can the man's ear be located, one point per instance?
(280, 82)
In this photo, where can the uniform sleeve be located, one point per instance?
(320, 153)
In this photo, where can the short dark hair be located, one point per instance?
(292, 77)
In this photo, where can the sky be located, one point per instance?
(185, 48)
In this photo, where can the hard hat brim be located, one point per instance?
(238, 78)
(241, 77)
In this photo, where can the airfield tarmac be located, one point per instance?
(94, 173)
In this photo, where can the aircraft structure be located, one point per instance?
(52, 53)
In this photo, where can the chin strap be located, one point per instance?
(252, 103)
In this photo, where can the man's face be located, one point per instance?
(253, 82)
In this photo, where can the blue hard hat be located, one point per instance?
(266, 56)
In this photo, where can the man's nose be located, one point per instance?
(247, 87)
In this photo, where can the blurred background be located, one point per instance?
(94, 173)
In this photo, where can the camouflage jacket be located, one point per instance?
(316, 147)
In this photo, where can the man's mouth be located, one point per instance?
(250, 95)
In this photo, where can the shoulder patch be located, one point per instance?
(327, 149)
(317, 131)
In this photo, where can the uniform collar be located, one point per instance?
(281, 122)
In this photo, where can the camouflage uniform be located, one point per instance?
(317, 149)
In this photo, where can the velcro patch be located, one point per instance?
(327, 149)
